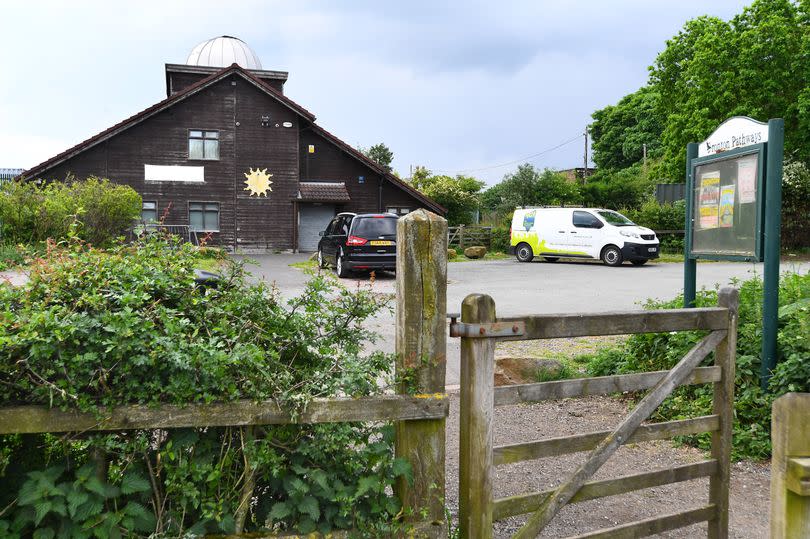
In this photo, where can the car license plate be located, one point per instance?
(381, 242)
(652, 249)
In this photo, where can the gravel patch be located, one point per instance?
(526, 422)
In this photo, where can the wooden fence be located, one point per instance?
(479, 330)
(467, 235)
(790, 467)
(419, 415)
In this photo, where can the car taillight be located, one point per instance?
(354, 240)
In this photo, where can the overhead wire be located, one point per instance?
(521, 160)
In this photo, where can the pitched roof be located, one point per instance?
(161, 106)
(323, 192)
(201, 85)
(427, 201)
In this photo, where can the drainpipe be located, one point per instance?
(380, 204)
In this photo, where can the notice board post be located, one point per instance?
(689, 264)
(733, 210)
(773, 247)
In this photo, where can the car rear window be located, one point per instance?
(372, 227)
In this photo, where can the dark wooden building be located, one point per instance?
(228, 153)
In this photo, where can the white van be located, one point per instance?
(555, 233)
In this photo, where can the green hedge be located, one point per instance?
(98, 328)
(94, 210)
(659, 351)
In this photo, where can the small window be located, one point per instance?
(203, 216)
(149, 212)
(398, 211)
(203, 144)
(584, 219)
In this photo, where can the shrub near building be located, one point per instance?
(101, 210)
(97, 328)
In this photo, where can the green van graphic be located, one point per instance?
(528, 220)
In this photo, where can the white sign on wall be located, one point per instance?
(173, 173)
(735, 132)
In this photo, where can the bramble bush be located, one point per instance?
(661, 217)
(752, 405)
(97, 328)
(99, 210)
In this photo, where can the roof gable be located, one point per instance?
(165, 104)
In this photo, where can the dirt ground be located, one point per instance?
(521, 423)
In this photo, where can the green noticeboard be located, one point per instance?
(727, 205)
(733, 211)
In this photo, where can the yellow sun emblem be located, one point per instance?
(258, 182)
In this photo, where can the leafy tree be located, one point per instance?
(616, 189)
(620, 131)
(754, 65)
(459, 194)
(527, 186)
(381, 154)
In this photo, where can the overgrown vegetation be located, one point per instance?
(98, 328)
(458, 194)
(95, 210)
(752, 65)
(659, 351)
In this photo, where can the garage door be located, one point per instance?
(311, 220)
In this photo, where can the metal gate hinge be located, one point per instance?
(486, 330)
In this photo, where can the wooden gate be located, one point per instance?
(479, 330)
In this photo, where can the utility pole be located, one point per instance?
(585, 163)
(644, 150)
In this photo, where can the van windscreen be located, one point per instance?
(615, 218)
(374, 227)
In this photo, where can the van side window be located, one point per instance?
(583, 219)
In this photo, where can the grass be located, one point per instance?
(573, 354)
(306, 264)
(489, 256)
(209, 264)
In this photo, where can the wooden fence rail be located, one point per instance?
(468, 235)
(41, 419)
(480, 329)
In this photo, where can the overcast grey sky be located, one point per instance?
(454, 86)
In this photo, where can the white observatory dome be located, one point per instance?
(223, 51)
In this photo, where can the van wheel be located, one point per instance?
(551, 258)
(524, 253)
(340, 267)
(638, 262)
(612, 255)
(321, 260)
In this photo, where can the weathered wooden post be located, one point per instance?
(477, 408)
(725, 357)
(790, 466)
(421, 347)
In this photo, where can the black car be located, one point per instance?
(365, 241)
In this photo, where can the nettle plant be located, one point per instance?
(94, 329)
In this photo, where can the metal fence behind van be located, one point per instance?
(668, 193)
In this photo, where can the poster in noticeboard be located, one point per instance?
(709, 200)
(726, 206)
(747, 179)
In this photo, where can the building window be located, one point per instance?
(203, 144)
(203, 216)
(398, 210)
(149, 212)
